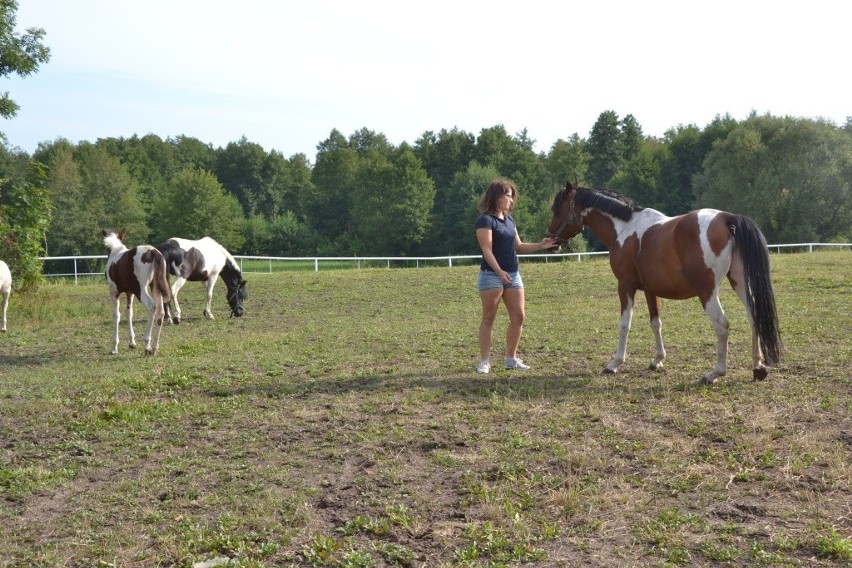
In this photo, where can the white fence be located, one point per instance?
(94, 265)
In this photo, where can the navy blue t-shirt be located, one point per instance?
(503, 233)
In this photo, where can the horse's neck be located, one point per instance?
(117, 252)
(605, 227)
(231, 272)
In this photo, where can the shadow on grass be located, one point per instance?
(461, 385)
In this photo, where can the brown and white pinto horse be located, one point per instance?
(133, 272)
(678, 258)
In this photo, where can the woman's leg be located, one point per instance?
(514, 300)
(490, 303)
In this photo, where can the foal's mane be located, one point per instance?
(604, 200)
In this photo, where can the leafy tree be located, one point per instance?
(111, 198)
(257, 234)
(301, 191)
(392, 199)
(639, 178)
(20, 54)
(195, 205)
(24, 217)
(71, 226)
(333, 176)
(240, 167)
(631, 137)
(567, 161)
(604, 149)
(453, 231)
(191, 152)
(515, 159)
(445, 155)
(791, 175)
(288, 236)
(149, 161)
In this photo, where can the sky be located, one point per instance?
(285, 73)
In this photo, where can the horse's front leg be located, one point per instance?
(656, 327)
(713, 309)
(623, 331)
(130, 321)
(208, 285)
(179, 282)
(5, 305)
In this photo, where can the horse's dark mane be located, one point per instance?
(231, 274)
(607, 201)
(604, 200)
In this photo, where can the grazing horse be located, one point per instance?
(132, 272)
(678, 258)
(204, 260)
(5, 289)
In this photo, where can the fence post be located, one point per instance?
(316, 265)
(75, 271)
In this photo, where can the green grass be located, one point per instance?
(341, 423)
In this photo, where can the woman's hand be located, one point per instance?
(548, 243)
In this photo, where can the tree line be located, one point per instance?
(365, 196)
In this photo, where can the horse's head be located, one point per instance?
(113, 240)
(237, 294)
(566, 221)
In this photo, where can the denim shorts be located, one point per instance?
(489, 280)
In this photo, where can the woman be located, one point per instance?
(499, 277)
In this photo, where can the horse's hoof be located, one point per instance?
(149, 351)
(132, 346)
(608, 371)
(708, 380)
(113, 352)
(176, 321)
(760, 373)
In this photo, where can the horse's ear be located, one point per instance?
(121, 234)
(103, 232)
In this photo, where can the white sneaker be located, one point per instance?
(484, 367)
(515, 363)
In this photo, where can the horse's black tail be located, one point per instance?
(759, 296)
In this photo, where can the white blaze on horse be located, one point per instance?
(678, 258)
(204, 261)
(138, 272)
(5, 289)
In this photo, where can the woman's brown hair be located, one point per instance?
(497, 189)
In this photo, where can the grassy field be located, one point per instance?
(341, 423)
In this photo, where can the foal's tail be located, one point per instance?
(760, 298)
(160, 290)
